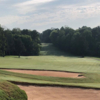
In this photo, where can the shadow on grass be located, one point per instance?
(50, 49)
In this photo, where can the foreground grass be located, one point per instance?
(52, 59)
(9, 91)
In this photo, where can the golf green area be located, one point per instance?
(52, 59)
(49, 73)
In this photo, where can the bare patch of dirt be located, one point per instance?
(58, 93)
(49, 73)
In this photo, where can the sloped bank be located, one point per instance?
(9, 91)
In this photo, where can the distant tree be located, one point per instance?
(77, 45)
(53, 36)
(87, 40)
(45, 36)
(83, 41)
(10, 42)
(96, 40)
(25, 32)
(59, 39)
(28, 43)
(34, 34)
(69, 30)
(19, 45)
(3, 43)
(16, 31)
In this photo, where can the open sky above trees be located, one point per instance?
(44, 14)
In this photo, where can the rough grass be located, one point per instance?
(9, 91)
(52, 59)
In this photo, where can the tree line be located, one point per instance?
(84, 41)
(19, 42)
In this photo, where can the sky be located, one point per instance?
(46, 14)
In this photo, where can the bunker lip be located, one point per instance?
(48, 73)
(52, 85)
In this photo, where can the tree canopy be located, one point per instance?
(84, 41)
(19, 42)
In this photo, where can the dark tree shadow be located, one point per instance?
(50, 49)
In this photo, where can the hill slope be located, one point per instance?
(50, 49)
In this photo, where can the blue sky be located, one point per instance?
(46, 14)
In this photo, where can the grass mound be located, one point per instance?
(9, 91)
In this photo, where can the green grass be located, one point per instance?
(92, 79)
(48, 49)
(9, 91)
(73, 64)
(53, 59)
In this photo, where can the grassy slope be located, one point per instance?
(9, 91)
(48, 49)
(53, 59)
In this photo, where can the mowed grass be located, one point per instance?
(91, 80)
(55, 60)
(73, 64)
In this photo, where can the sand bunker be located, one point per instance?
(57, 93)
(49, 73)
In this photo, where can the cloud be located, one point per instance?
(7, 20)
(3, 0)
(57, 15)
(30, 2)
(80, 11)
(40, 13)
(29, 6)
(67, 13)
